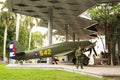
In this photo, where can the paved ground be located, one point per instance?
(95, 70)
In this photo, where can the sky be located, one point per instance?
(2, 5)
(2, 0)
(85, 15)
(40, 29)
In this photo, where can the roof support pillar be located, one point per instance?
(50, 26)
(66, 32)
(17, 27)
(73, 37)
(50, 13)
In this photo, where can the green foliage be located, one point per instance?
(36, 37)
(7, 19)
(26, 21)
(1, 39)
(37, 40)
(105, 12)
(23, 36)
(10, 36)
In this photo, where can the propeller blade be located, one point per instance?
(90, 51)
(94, 51)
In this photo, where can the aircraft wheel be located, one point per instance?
(21, 62)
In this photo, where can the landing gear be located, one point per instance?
(21, 62)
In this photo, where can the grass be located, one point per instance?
(40, 74)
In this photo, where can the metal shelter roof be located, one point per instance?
(65, 12)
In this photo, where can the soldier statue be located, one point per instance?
(79, 57)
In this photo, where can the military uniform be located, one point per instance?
(79, 58)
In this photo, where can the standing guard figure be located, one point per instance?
(79, 57)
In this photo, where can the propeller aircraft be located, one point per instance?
(17, 52)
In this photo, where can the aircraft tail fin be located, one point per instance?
(15, 49)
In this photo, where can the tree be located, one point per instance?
(106, 15)
(1, 39)
(28, 22)
(37, 40)
(23, 36)
(7, 19)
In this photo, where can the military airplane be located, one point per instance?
(17, 51)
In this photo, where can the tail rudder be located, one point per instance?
(15, 49)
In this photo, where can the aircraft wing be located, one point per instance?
(65, 53)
